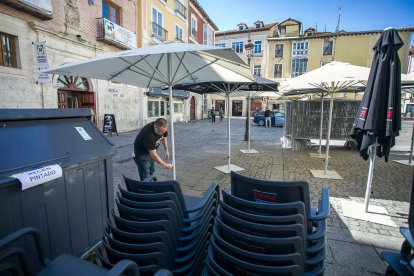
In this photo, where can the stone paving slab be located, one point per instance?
(354, 245)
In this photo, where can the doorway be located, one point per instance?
(192, 108)
(74, 92)
(237, 108)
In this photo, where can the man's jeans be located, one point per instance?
(268, 122)
(145, 165)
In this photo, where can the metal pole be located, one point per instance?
(228, 122)
(370, 173)
(321, 125)
(171, 113)
(411, 148)
(329, 135)
(249, 100)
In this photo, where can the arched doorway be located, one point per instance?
(192, 108)
(75, 92)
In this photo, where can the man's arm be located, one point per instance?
(165, 144)
(157, 158)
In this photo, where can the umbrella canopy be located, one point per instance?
(149, 66)
(162, 65)
(379, 116)
(335, 76)
(378, 120)
(259, 85)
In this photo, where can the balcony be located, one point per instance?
(179, 39)
(158, 31)
(115, 35)
(42, 9)
(180, 9)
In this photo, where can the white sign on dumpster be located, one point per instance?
(39, 176)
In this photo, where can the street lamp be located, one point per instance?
(249, 53)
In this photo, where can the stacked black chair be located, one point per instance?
(14, 260)
(159, 227)
(268, 228)
(402, 263)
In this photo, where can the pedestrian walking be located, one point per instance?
(145, 147)
(213, 115)
(267, 118)
(221, 114)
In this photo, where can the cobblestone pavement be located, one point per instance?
(354, 245)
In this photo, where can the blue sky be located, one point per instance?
(357, 15)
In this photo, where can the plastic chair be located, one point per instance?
(189, 204)
(63, 265)
(269, 191)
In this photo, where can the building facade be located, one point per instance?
(45, 33)
(290, 52)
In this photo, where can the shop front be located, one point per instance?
(158, 104)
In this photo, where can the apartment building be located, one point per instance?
(39, 34)
(44, 33)
(291, 52)
(258, 35)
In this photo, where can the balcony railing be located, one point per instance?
(180, 8)
(114, 34)
(158, 31)
(179, 39)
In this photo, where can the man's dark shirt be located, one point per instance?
(147, 140)
(267, 113)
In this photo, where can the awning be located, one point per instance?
(158, 92)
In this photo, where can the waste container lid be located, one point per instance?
(31, 138)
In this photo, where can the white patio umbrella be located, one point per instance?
(161, 66)
(331, 78)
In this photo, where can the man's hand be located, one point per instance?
(167, 155)
(168, 166)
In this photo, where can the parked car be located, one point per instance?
(277, 118)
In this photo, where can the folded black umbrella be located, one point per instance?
(379, 116)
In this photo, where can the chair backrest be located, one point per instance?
(257, 244)
(153, 187)
(155, 258)
(268, 219)
(152, 205)
(257, 258)
(263, 230)
(270, 191)
(239, 267)
(263, 208)
(213, 267)
(135, 214)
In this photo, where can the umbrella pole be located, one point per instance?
(228, 122)
(411, 148)
(249, 99)
(328, 138)
(370, 173)
(171, 114)
(321, 125)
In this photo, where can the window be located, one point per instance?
(257, 50)
(238, 46)
(153, 108)
(205, 27)
(309, 34)
(327, 47)
(157, 23)
(178, 108)
(282, 30)
(221, 45)
(279, 50)
(299, 66)
(258, 25)
(111, 12)
(300, 48)
(194, 27)
(210, 36)
(178, 33)
(277, 72)
(8, 49)
(241, 28)
(257, 70)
